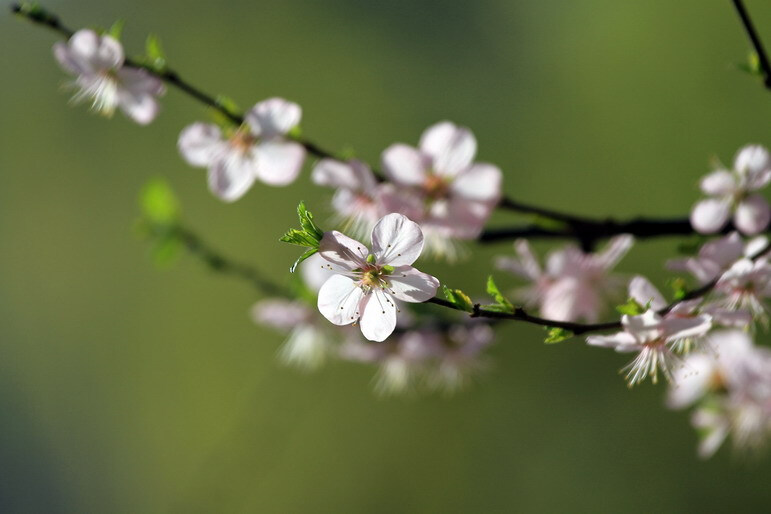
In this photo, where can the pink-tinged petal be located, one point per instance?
(279, 162)
(201, 144)
(674, 328)
(142, 109)
(618, 340)
(353, 175)
(64, 56)
(571, 299)
(614, 251)
(752, 215)
(718, 183)
(378, 319)
(343, 251)
(401, 200)
(464, 219)
(315, 270)
(728, 317)
(101, 52)
(139, 82)
(715, 426)
(710, 215)
(396, 240)
(755, 247)
(753, 163)
(723, 251)
(340, 300)
(411, 285)
(405, 165)
(281, 314)
(232, 176)
(480, 182)
(273, 117)
(452, 148)
(691, 381)
(642, 291)
(530, 264)
(645, 327)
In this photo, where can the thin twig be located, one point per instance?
(755, 40)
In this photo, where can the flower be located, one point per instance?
(357, 199)
(453, 195)
(575, 285)
(257, 150)
(714, 258)
(367, 283)
(733, 191)
(745, 286)
(105, 80)
(652, 335)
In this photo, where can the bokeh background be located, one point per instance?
(124, 388)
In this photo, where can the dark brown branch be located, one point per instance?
(765, 66)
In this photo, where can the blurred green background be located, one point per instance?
(128, 389)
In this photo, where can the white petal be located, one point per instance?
(273, 117)
(753, 163)
(339, 300)
(354, 175)
(452, 148)
(645, 327)
(231, 176)
(614, 251)
(530, 264)
(315, 270)
(101, 52)
(281, 314)
(343, 251)
(411, 285)
(405, 165)
(139, 82)
(691, 381)
(201, 143)
(396, 240)
(752, 215)
(710, 215)
(481, 182)
(617, 340)
(70, 62)
(718, 183)
(279, 162)
(141, 108)
(642, 291)
(674, 328)
(378, 320)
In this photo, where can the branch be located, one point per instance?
(756, 42)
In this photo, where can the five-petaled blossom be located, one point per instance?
(575, 285)
(102, 77)
(257, 150)
(367, 283)
(735, 191)
(451, 195)
(652, 336)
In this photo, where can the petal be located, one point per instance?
(753, 163)
(481, 182)
(143, 108)
(396, 240)
(339, 300)
(452, 148)
(405, 165)
(614, 251)
(680, 328)
(70, 62)
(463, 218)
(645, 327)
(343, 251)
(273, 117)
(378, 320)
(752, 215)
(201, 143)
(723, 251)
(279, 162)
(315, 270)
(691, 381)
(101, 52)
(710, 215)
(354, 175)
(139, 82)
(642, 291)
(718, 183)
(281, 314)
(231, 177)
(411, 285)
(619, 339)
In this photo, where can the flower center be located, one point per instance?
(436, 187)
(242, 140)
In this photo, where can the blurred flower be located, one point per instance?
(652, 336)
(98, 63)
(745, 286)
(257, 150)
(440, 186)
(366, 283)
(575, 285)
(714, 258)
(733, 192)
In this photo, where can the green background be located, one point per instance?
(124, 388)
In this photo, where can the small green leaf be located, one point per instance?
(295, 132)
(458, 298)
(304, 256)
(116, 30)
(751, 65)
(309, 236)
(556, 335)
(166, 251)
(631, 308)
(158, 202)
(500, 300)
(678, 288)
(549, 223)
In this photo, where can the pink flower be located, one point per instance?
(652, 337)
(714, 258)
(368, 283)
(733, 191)
(575, 285)
(98, 63)
(745, 286)
(357, 199)
(455, 195)
(257, 150)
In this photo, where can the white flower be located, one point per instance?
(455, 195)
(652, 336)
(745, 286)
(575, 285)
(733, 191)
(98, 63)
(257, 150)
(368, 283)
(714, 258)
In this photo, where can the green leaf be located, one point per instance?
(458, 298)
(306, 222)
(678, 288)
(166, 251)
(154, 52)
(751, 65)
(116, 30)
(556, 335)
(158, 202)
(631, 308)
(304, 256)
(549, 223)
(309, 236)
(500, 300)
